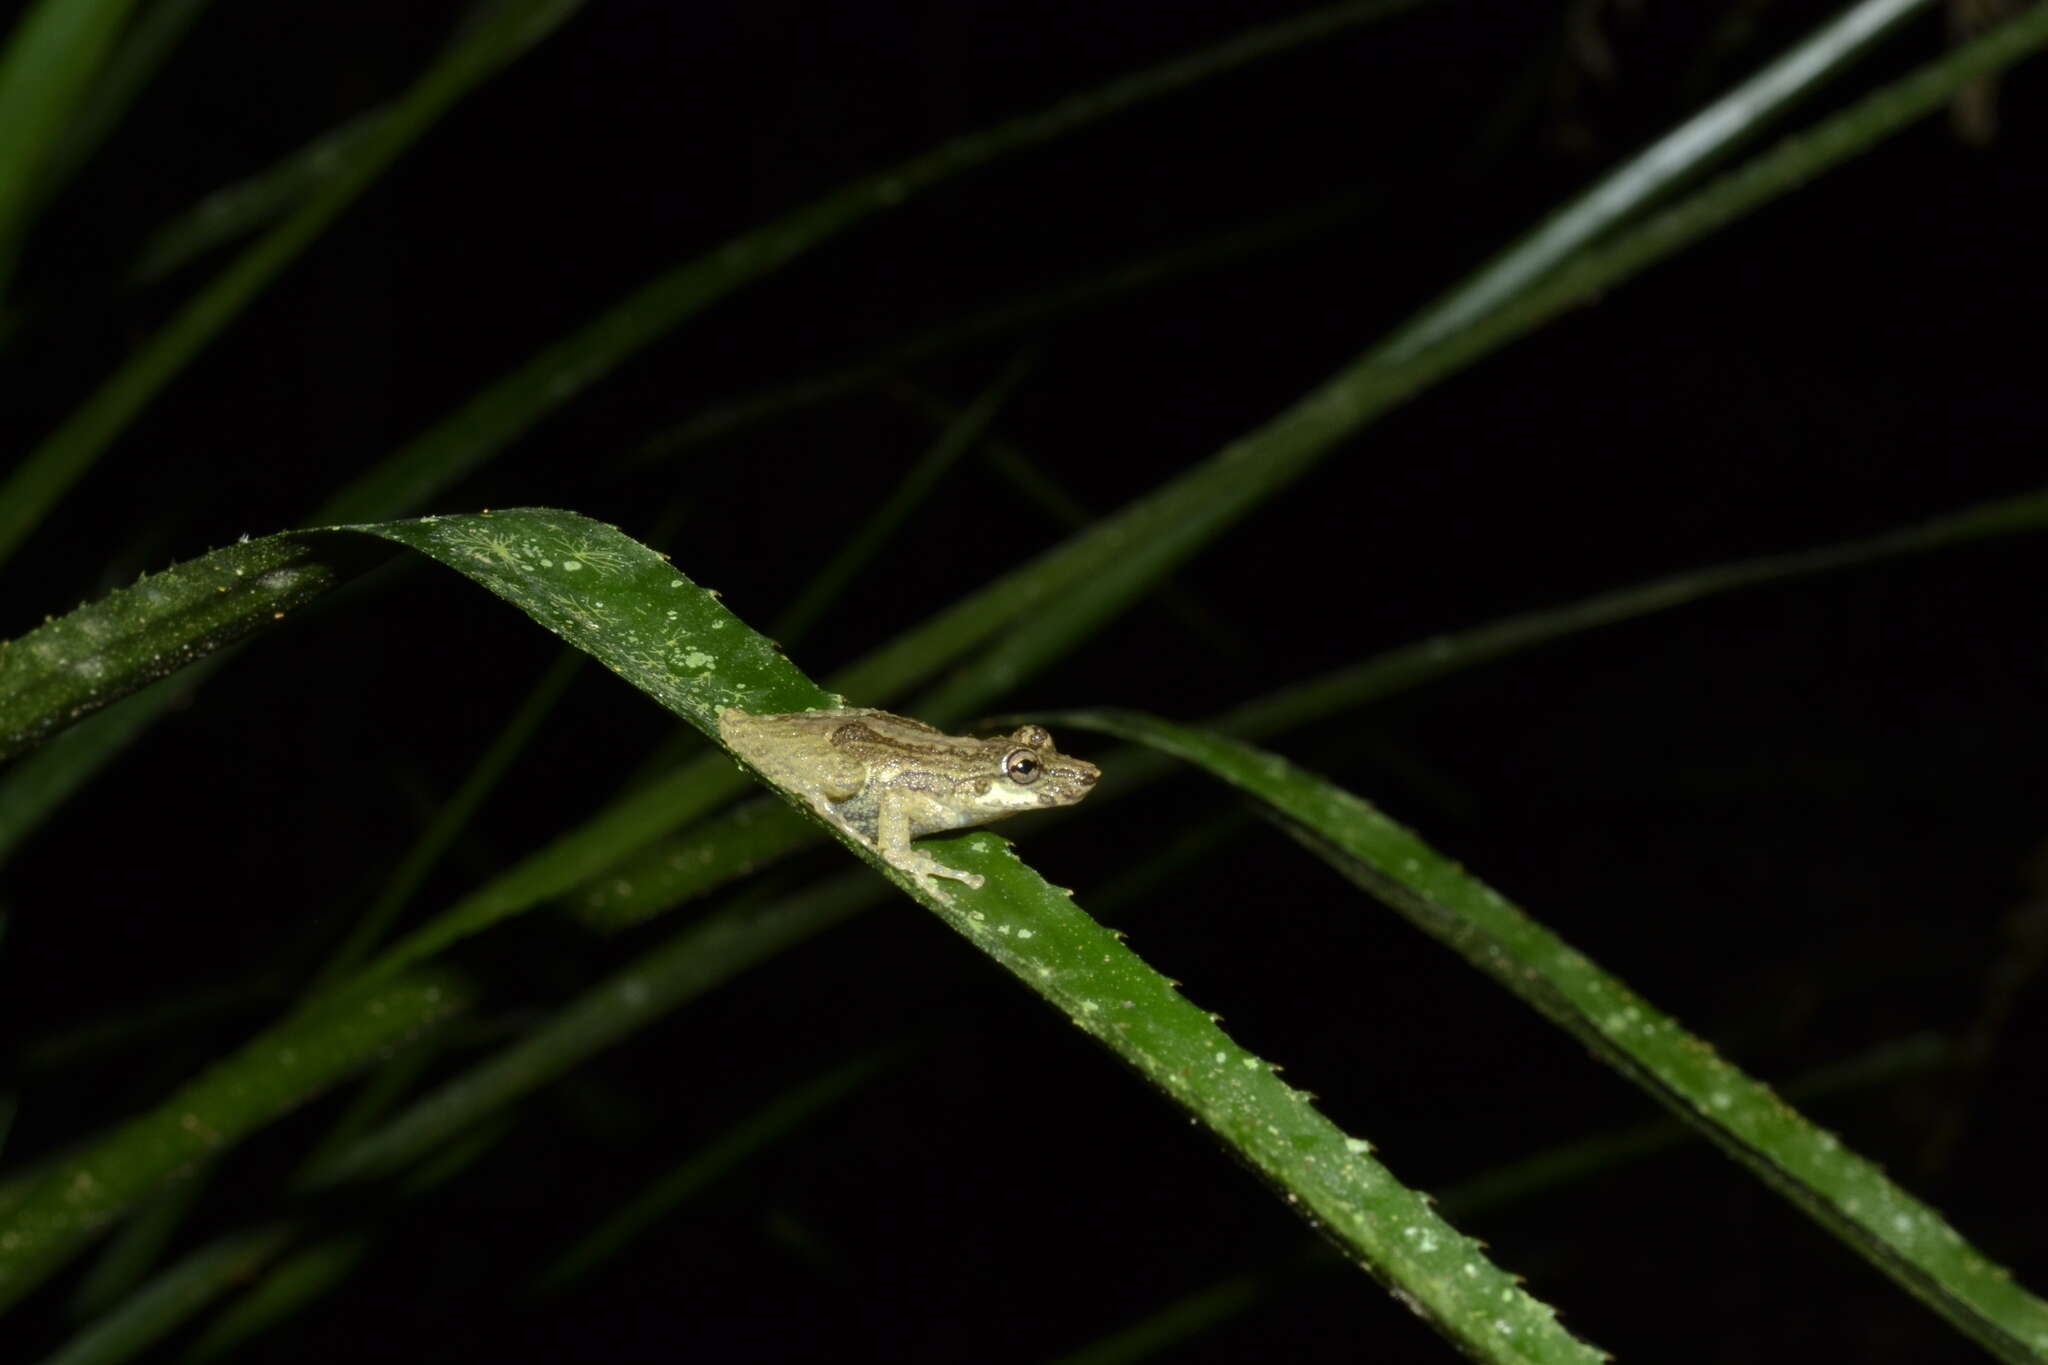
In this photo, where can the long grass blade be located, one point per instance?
(77, 444)
(172, 1299)
(145, 46)
(59, 1211)
(465, 438)
(1904, 1238)
(701, 1169)
(1686, 150)
(55, 53)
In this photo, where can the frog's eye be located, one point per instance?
(1022, 766)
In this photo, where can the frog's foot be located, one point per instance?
(921, 864)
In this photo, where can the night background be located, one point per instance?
(1808, 818)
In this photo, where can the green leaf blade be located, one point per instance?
(75, 664)
(272, 1075)
(47, 71)
(1851, 1197)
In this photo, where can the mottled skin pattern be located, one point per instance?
(889, 779)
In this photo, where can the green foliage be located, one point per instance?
(76, 693)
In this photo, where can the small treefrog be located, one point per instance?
(889, 779)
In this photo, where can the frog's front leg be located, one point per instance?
(892, 836)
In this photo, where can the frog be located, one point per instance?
(887, 779)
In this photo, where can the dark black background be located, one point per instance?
(1800, 818)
